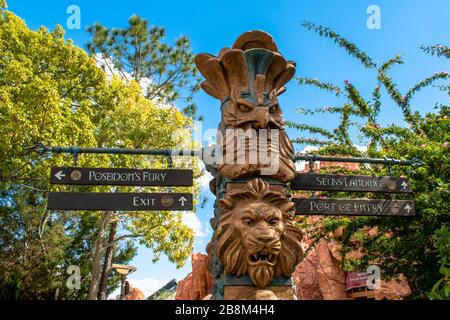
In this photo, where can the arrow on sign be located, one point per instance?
(404, 185)
(408, 208)
(182, 200)
(60, 175)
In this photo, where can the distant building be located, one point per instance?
(171, 287)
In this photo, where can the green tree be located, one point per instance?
(402, 245)
(138, 52)
(441, 289)
(165, 295)
(52, 92)
(135, 122)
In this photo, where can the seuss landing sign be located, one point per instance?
(331, 182)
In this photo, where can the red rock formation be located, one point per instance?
(135, 294)
(184, 288)
(393, 290)
(197, 284)
(320, 277)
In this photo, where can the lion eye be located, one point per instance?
(247, 221)
(274, 222)
(243, 108)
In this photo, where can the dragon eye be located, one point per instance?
(243, 108)
(273, 109)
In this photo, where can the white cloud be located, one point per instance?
(204, 181)
(361, 148)
(108, 66)
(147, 285)
(191, 219)
(205, 178)
(309, 149)
(300, 165)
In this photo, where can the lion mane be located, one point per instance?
(232, 247)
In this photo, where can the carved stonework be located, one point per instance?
(249, 293)
(255, 235)
(247, 79)
(255, 246)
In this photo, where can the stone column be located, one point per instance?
(255, 245)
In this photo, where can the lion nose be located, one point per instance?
(265, 237)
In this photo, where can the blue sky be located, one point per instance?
(212, 25)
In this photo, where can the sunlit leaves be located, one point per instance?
(399, 246)
(425, 83)
(52, 92)
(311, 129)
(139, 52)
(439, 50)
(351, 48)
(320, 84)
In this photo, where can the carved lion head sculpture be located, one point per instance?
(255, 235)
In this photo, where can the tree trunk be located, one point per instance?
(108, 261)
(97, 254)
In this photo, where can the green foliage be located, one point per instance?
(165, 295)
(52, 92)
(438, 50)
(441, 290)
(138, 52)
(385, 66)
(322, 85)
(425, 83)
(402, 245)
(351, 48)
(311, 129)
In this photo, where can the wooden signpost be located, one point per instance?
(354, 207)
(116, 200)
(119, 201)
(331, 182)
(121, 177)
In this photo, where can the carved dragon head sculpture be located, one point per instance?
(247, 79)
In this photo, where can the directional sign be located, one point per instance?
(121, 177)
(354, 207)
(119, 201)
(332, 182)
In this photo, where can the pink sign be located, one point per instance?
(355, 280)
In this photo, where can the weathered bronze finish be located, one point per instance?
(247, 80)
(255, 244)
(255, 234)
